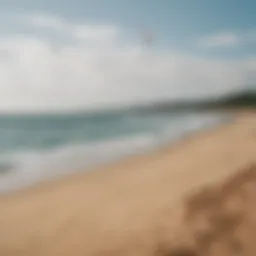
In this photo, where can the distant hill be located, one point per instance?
(236, 100)
(244, 99)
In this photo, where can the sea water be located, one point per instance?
(39, 147)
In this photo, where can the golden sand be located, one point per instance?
(137, 207)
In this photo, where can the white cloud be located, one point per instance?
(87, 32)
(37, 75)
(227, 39)
(94, 32)
(45, 21)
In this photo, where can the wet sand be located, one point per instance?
(154, 204)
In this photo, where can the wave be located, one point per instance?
(23, 168)
(20, 169)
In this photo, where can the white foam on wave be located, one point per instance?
(25, 168)
(192, 123)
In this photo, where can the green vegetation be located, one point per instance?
(245, 99)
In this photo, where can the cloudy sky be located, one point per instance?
(63, 55)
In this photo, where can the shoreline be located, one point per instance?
(133, 159)
(222, 120)
(126, 208)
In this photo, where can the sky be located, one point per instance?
(69, 55)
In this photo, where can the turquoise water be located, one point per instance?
(36, 147)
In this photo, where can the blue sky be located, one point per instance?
(201, 48)
(198, 15)
(178, 20)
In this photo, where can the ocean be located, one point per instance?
(38, 147)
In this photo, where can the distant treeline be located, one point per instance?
(244, 99)
(237, 100)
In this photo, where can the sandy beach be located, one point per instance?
(153, 204)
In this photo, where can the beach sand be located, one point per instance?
(191, 198)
